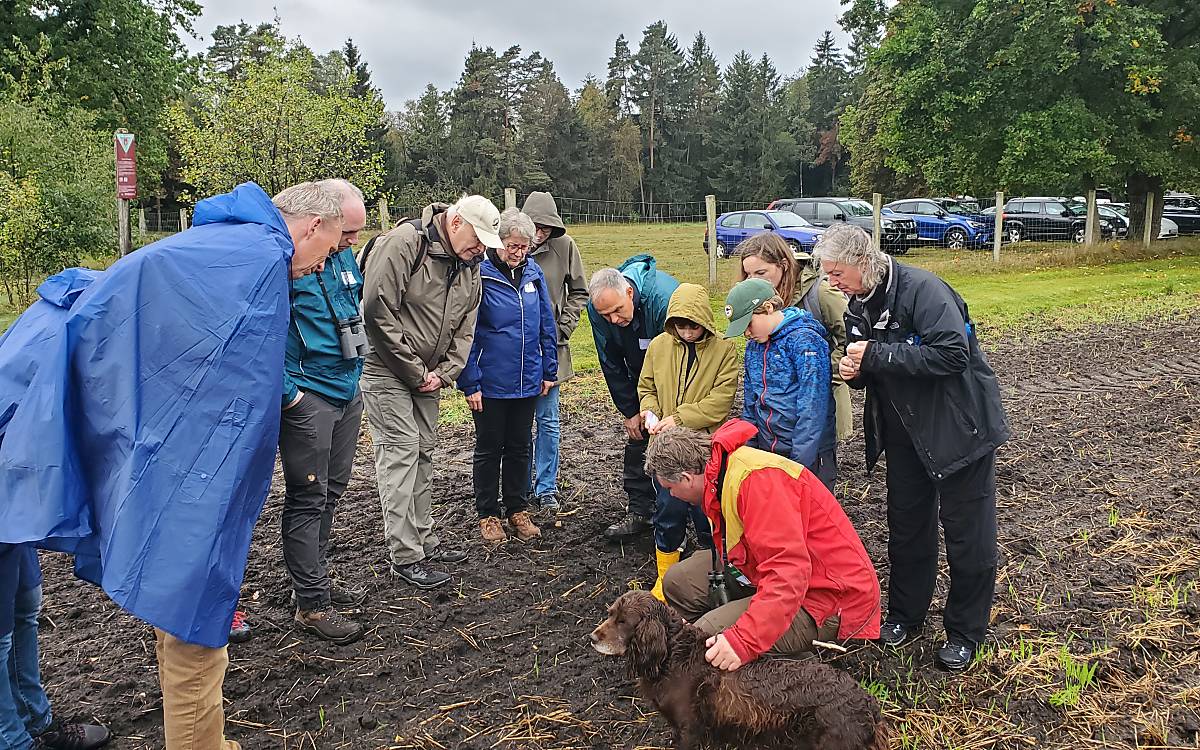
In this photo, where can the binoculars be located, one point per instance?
(352, 338)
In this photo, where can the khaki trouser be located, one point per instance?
(404, 432)
(686, 589)
(191, 677)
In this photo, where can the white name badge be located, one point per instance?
(529, 287)
(348, 278)
(644, 343)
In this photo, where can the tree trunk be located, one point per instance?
(1138, 185)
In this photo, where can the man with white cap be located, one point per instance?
(421, 294)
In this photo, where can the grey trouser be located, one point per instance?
(685, 587)
(404, 431)
(316, 447)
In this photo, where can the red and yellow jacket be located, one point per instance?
(792, 539)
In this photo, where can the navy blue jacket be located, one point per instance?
(622, 350)
(314, 363)
(788, 393)
(516, 338)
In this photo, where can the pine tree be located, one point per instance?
(703, 83)
(613, 145)
(828, 89)
(620, 66)
(480, 123)
(656, 87)
(752, 149)
(863, 21)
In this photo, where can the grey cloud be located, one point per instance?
(410, 44)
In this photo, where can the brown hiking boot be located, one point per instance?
(491, 530)
(330, 625)
(522, 523)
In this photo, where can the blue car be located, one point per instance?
(736, 226)
(944, 223)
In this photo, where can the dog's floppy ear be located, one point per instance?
(648, 648)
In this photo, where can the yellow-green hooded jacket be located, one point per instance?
(700, 395)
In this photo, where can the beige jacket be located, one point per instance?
(560, 260)
(419, 303)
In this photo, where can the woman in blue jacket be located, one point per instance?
(788, 394)
(513, 360)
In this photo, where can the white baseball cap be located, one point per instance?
(481, 214)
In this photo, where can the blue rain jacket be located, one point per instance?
(788, 393)
(516, 338)
(145, 439)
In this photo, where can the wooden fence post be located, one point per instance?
(877, 214)
(998, 239)
(183, 219)
(124, 245)
(141, 221)
(710, 210)
(1148, 233)
(510, 198)
(385, 221)
(1092, 225)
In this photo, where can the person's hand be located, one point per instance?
(296, 400)
(633, 427)
(547, 385)
(847, 369)
(432, 383)
(665, 423)
(720, 654)
(856, 351)
(475, 401)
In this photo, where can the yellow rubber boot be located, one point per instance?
(665, 561)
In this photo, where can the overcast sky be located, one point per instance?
(409, 44)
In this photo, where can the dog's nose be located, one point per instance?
(595, 638)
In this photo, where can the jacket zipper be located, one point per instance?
(762, 399)
(521, 307)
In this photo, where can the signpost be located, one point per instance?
(126, 151)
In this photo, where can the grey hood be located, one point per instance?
(543, 210)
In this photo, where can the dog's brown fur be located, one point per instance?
(767, 703)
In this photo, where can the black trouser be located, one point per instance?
(316, 446)
(503, 438)
(638, 486)
(966, 504)
(826, 468)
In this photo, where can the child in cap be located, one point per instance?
(788, 395)
(689, 379)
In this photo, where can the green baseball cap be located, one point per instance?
(745, 297)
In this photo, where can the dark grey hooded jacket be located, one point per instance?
(560, 261)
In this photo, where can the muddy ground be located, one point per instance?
(1099, 502)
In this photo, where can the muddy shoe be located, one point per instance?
(548, 503)
(329, 625)
(345, 596)
(895, 635)
(956, 655)
(239, 629)
(448, 555)
(491, 530)
(523, 525)
(62, 736)
(420, 575)
(627, 528)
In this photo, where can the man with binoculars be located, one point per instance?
(322, 414)
(787, 567)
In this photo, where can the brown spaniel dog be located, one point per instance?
(773, 703)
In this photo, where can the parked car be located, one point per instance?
(1180, 200)
(898, 233)
(1167, 229)
(1184, 210)
(1048, 218)
(950, 224)
(735, 226)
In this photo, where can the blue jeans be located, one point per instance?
(670, 521)
(24, 708)
(544, 480)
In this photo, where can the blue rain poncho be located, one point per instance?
(139, 416)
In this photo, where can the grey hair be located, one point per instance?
(852, 246)
(677, 451)
(607, 278)
(310, 199)
(514, 220)
(342, 187)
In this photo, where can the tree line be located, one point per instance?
(940, 96)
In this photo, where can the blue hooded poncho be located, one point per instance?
(138, 427)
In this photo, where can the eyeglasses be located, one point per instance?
(515, 248)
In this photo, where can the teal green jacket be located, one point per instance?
(622, 350)
(313, 362)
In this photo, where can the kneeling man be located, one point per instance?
(780, 533)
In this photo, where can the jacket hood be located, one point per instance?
(427, 215)
(543, 210)
(246, 204)
(690, 301)
(62, 289)
(729, 437)
(795, 318)
(639, 269)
